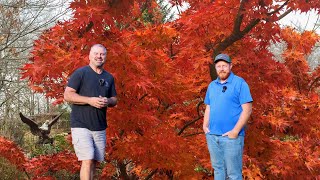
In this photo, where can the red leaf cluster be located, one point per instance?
(10, 151)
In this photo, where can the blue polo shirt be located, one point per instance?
(225, 102)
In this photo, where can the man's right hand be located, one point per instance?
(98, 102)
(205, 129)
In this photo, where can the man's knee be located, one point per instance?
(87, 163)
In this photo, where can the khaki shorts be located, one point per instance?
(89, 145)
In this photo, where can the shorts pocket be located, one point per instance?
(75, 136)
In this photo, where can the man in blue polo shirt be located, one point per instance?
(228, 108)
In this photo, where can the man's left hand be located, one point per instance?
(231, 134)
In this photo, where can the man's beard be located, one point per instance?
(223, 75)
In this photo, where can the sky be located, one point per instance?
(302, 21)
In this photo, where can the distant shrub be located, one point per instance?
(9, 171)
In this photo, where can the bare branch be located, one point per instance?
(285, 14)
(315, 25)
(12, 95)
(277, 10)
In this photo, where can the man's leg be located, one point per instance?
(83, 144)
(87, 170)
(216, 156)
(233, 151)
(93, 169)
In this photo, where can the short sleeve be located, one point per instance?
(245, 95)
(207, 99)
(112, 90)
(75, 80)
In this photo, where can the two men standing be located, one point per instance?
(228, 101)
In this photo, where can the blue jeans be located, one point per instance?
(226, 156)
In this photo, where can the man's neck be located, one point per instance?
(96, 69)
(223, 81)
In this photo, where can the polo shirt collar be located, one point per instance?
(229, 80)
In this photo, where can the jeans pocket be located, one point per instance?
(232, 138)
(233, 141)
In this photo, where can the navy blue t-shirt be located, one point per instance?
(88, 83)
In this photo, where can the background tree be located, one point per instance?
(162, 71)
(21, 23)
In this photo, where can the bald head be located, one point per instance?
(97, 56)
(98, 46)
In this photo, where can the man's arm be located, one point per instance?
(206, 119)
(71, 96)
(112, 101)
(244, 117)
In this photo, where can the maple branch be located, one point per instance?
(136, 18)
(143, 96)
(172, 54)
(277, 10)
(169, 174)
(239, 18)
(198, 107)
(189, 123)
(194, 120)
(122, 167)
(236, 34)
(298, 85)
(285, 14)
(151, 174)
(87, 29)
(315, 81)
(250, 26)
(228, 41)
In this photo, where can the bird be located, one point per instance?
(45, 125)
(43, 131)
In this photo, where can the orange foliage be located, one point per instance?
(41, 165)
(12, 153)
